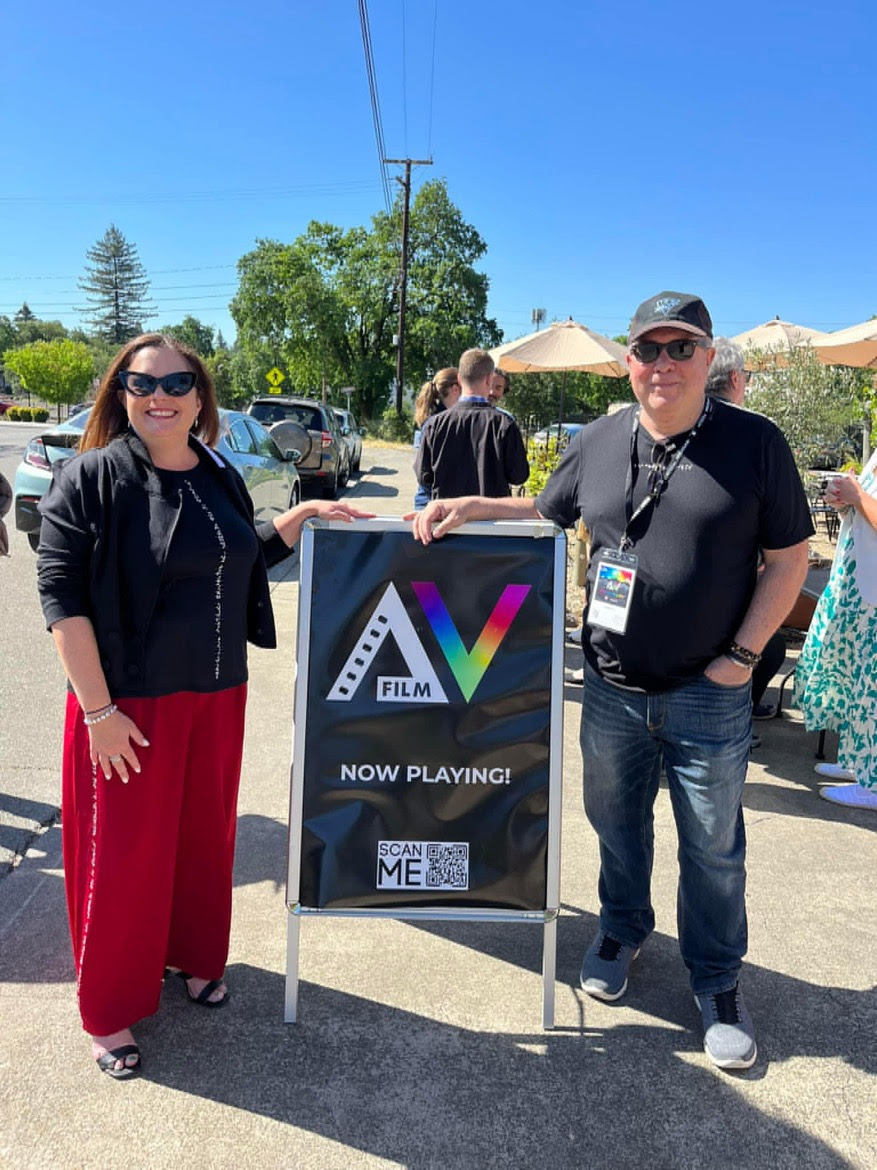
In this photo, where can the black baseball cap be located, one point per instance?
(680, 310)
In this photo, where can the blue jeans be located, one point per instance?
(699, 735)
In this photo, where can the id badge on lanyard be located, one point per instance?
(613, 590)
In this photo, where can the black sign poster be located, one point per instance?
(423, 723)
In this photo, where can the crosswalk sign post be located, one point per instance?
(274, 378)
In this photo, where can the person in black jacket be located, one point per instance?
(152, 578)
(472, 449)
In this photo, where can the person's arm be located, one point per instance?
(441, 516)
(517, 465)
(776, 591)
(289, 524)
(112, 735)
(847, 492)
(423, 459)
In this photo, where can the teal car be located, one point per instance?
(271, 476)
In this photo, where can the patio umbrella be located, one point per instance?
(854, 346)
(564, 345)
(777, 335)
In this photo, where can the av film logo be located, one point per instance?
(422, 684)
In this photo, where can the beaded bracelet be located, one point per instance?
(90, 722)
(743, 654)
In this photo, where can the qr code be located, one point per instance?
(422, 865)
(447, 866)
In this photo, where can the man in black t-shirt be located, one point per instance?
(679, 493)
(472, 449)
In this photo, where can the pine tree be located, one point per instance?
(117, 288)
(25, 313)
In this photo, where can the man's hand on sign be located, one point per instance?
(439, 517)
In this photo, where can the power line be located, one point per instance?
(156, 271)
(404, 82)
(431, 78)
(375, 104)
(353, 187)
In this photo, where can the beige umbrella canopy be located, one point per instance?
(777, 335)
(855, 346)
(564, 345)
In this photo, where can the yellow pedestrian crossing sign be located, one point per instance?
(275, 377)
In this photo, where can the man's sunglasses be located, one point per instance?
(680, 350)
(144, 385)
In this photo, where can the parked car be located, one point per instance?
(4, 406)
(352, 435)
(312, 429)
(271, 477)
(559, 433)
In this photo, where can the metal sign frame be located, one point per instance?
(547, 915)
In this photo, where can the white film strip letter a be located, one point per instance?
(421, 686)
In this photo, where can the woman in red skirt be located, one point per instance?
(152, 577)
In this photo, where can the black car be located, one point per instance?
(312, 429)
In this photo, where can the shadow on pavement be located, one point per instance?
(425, 1093)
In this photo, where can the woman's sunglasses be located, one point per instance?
(144, 385)
(680, 350)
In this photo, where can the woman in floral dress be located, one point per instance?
(836, 678)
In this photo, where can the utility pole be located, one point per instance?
(403, 271)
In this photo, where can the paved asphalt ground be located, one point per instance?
(420, 1045)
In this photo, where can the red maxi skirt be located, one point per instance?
(148, 864)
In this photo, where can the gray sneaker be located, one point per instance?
(728, 1034)
(605, 967)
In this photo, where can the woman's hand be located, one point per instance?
(289, 524)
(337, 510)
(112, 746)
(843, 491)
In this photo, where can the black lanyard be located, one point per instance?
(659, 478)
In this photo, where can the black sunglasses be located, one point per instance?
(680, 350)
(176, 385)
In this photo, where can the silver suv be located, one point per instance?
(312, 429)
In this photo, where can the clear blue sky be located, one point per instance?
(603, 151)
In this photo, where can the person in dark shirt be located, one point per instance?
(472, 449)
(679, 493)
(728, 379)
(152, 577)
(440, 393)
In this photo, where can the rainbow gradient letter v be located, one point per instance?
(468, 669)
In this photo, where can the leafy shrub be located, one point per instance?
(393, 427)
(26, 414)
(543, 458)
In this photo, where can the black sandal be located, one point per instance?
(202, 999)
(107, 1062)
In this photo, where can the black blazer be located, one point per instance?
(107, 524)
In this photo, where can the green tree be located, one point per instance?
(193, 333)
(56, 371)
(222, 370)
(116, 287)
(33, 329)
(24, 313)
(534, 399)
(324, 308)
(817, 407)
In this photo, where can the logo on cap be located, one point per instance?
(665, 305)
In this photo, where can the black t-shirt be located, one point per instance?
(473, 449)
(197, 638)
(737, 490)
